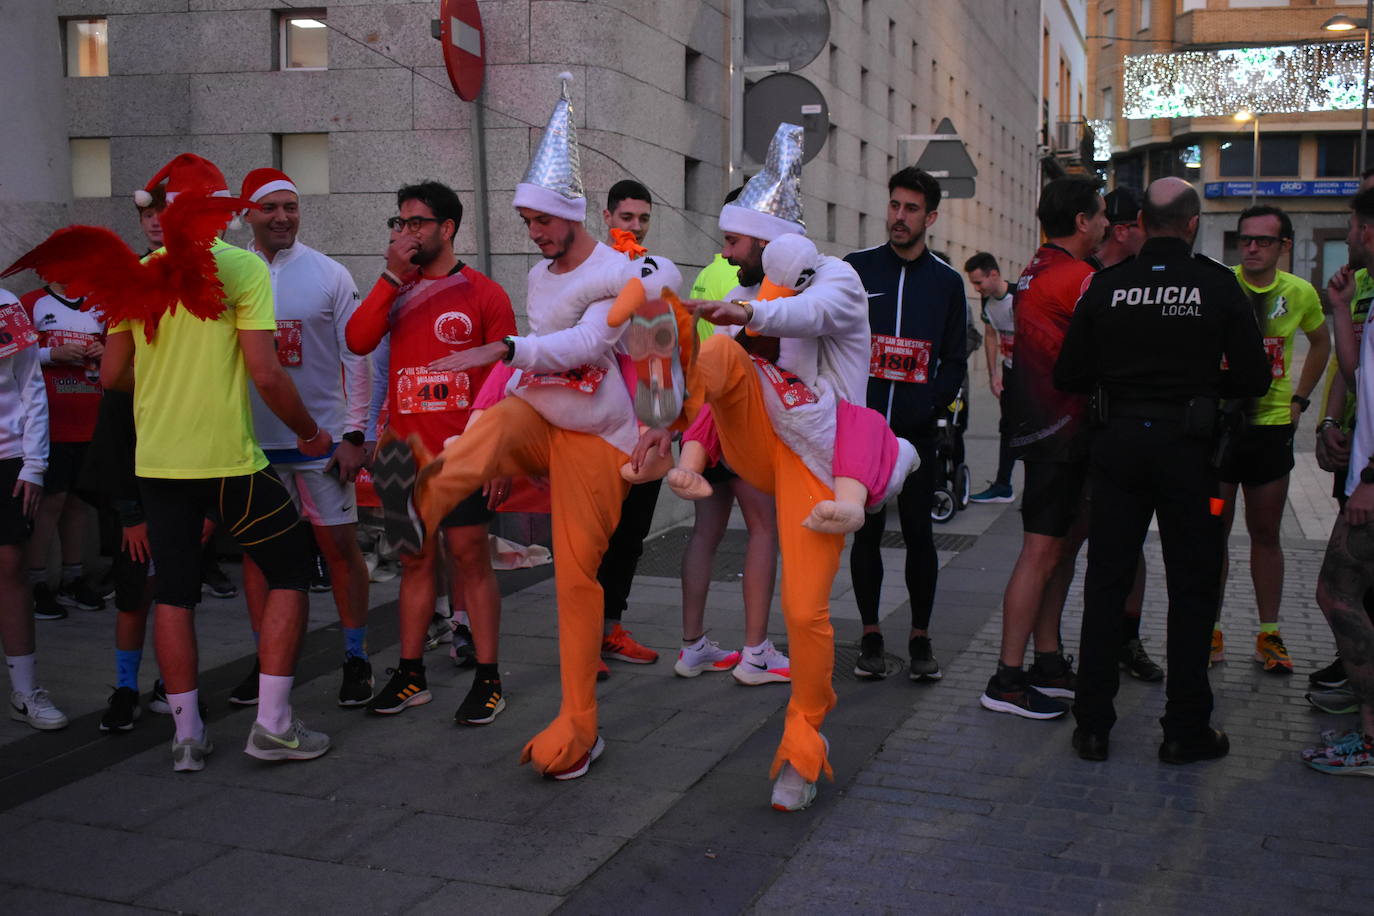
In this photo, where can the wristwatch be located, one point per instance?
(354, 437)
(1367, 474)
(1302, 402)
(510, 348)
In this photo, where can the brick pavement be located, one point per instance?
(939, 805)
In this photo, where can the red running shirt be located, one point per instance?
(427, 319)
(73, 388)
(1046, 421)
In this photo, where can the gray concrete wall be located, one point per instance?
(35, 175)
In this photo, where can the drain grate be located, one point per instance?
(663, 555)
(948, 542)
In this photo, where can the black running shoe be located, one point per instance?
(1053, 677)
(319, 576)
(462, 651)
(1329, 678)
(405, 689)
(393, 477)
(482, 703)
(123, 710)
(246, 693)
(1133, 658)
(45, 606)
(872, 662)
(356, 688)
(157, 700)
(78, 594)
(220, 585)
(1019, 699)
(924, 667)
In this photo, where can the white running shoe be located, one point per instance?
(36, 709)
(765, 666)
(188, 754)
(704, 655)
(790, 791)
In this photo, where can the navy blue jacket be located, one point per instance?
(920, 300)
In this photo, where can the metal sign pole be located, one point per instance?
(478, 134)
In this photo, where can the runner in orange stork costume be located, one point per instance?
(567, 416)
(776, 420)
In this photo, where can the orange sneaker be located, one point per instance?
(1218, 653)
(1272, 653)
(620, 645)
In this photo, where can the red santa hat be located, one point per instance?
(185, 172)
(258, 183)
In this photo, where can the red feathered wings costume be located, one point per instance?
(93, 262)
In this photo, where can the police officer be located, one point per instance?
(1148, 338)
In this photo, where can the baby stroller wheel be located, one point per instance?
(942, 506)
(963, 485)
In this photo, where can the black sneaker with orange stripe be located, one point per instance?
(482, 703)
(407, 687)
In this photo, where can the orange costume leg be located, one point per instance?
(810, 559)
(586, 491)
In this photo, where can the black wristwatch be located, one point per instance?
(510, 348)
(1302, 402)
(354, 437)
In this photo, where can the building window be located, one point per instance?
(832, 59)
(830, 220)
(863, 85)
(863, 157)
(90, 166)
(1278, 156)
(88, 52)
(1337, 155)
(863, 230)
(1130, 171)
(691, 75)
(304, 43)
(1144, 22)
(1108, 26)
(305, 157)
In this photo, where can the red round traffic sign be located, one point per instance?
(460, 32)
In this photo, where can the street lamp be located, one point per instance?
(1242, 116)
(1343, 23)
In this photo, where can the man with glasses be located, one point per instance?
(433, 305)
(1262, 456)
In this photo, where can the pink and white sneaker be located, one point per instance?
(704, 655)
(762, 664)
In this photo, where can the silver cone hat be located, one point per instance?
(556, 166)
(771, 204)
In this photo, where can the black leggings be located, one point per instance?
(922, 565)
(254, 508)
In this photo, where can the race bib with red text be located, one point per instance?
(583, 379)
(790, 389)
(16, 331)
(899, 359)
(288, 341)
(432, 391)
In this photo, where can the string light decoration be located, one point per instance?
(1271, 80)
(1102, 138)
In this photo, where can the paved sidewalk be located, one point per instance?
(938, 805)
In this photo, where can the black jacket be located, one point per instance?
(1156, 327)
(921, 300)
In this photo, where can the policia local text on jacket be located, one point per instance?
(1151, 334)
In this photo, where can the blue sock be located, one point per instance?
(127, 662)
(355, 639)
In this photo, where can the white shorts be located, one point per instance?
(320, 497)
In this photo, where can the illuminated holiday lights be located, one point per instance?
(1102, 138)
(1270, 80)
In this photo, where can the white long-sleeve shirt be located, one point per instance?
(824, 340)
(23, 408)
(314, 297)
(567, 315)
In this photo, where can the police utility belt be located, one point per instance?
(1197, 416)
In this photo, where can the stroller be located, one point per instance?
(952, 479)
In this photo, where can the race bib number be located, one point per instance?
(90, 367)
(583, 379)
(791, 390)
(16, 331)
(1004, 345)
(431, 391)
(1273, 346)
(288, 341)
(899, 359)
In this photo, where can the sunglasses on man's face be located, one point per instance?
(1259, 241)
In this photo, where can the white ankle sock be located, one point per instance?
(21, 672)
(186, 714)
(757, 650)
(274, 702)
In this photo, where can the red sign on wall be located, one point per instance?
(460, 31)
